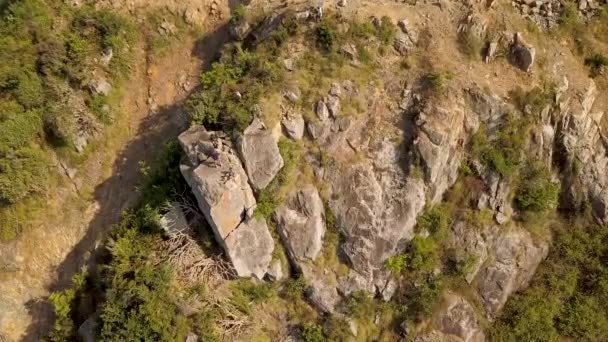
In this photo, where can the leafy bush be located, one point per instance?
(564, 296)
(294, 288)
(503, 152)
(396, 263)
(434, 220)
(63, 305)
(596, 63)
(436, 82)
(337, 329)
(422, 254)
(326, 34)
(386, 31)
(424, 297)
(536, 192)
(138, 297)
(535, 100)
(470, 44)
(22, 172)
(253, 292)
(232, 88)
(312, 333)
(238, 14)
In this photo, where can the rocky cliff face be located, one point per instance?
(584, 150)
(378, 169)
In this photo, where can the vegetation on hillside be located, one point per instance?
(44, 93)
(138, 293)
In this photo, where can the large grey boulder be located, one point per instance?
(293, 125)
(505, 260)
(458, 318)
(86, 331)
(260, 154)
(406, 39)
(250, 248)
(375, 207)
(301, 225)
(219, 183)
(455, 321)
(514, 259)
(324, 297)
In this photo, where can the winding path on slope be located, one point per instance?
(44, 259)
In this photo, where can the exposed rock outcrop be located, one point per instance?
(376, 208)
(219, 183)
(505, 261)
(260, 154)
(301, 225)
(406, 39)
(456, 321)
(293, 125)
(324, 297)
(584, 146)
(440, 142)
(250, 248)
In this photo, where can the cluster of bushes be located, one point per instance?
(536, 191)
(232, 88)
(46, 50)
(502, 153)
(567, 295)
(134, 294)
(420, 286)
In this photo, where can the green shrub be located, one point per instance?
(63, 305)
(386, 31)
(361, 30)
(326, 34)
(295, 288)
(582, 321)
(422, 254)
(536, 192)
(565, 295)
(470, 44)
(22, 173)
(424, 296)
(596, 63)
(239, 72)
(503, 152)
(535, 100)
(436, 82)
(529, 318)
(255, 292)
(312, 333)
(238, 14)
(138, 297)
(337, 329)
(435, 220)
(396, 263)
(361, 305)
(19, 128)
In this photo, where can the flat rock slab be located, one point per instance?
(250, 247)
(301, 225)
(260, 154)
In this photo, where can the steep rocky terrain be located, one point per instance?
(367, 171)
